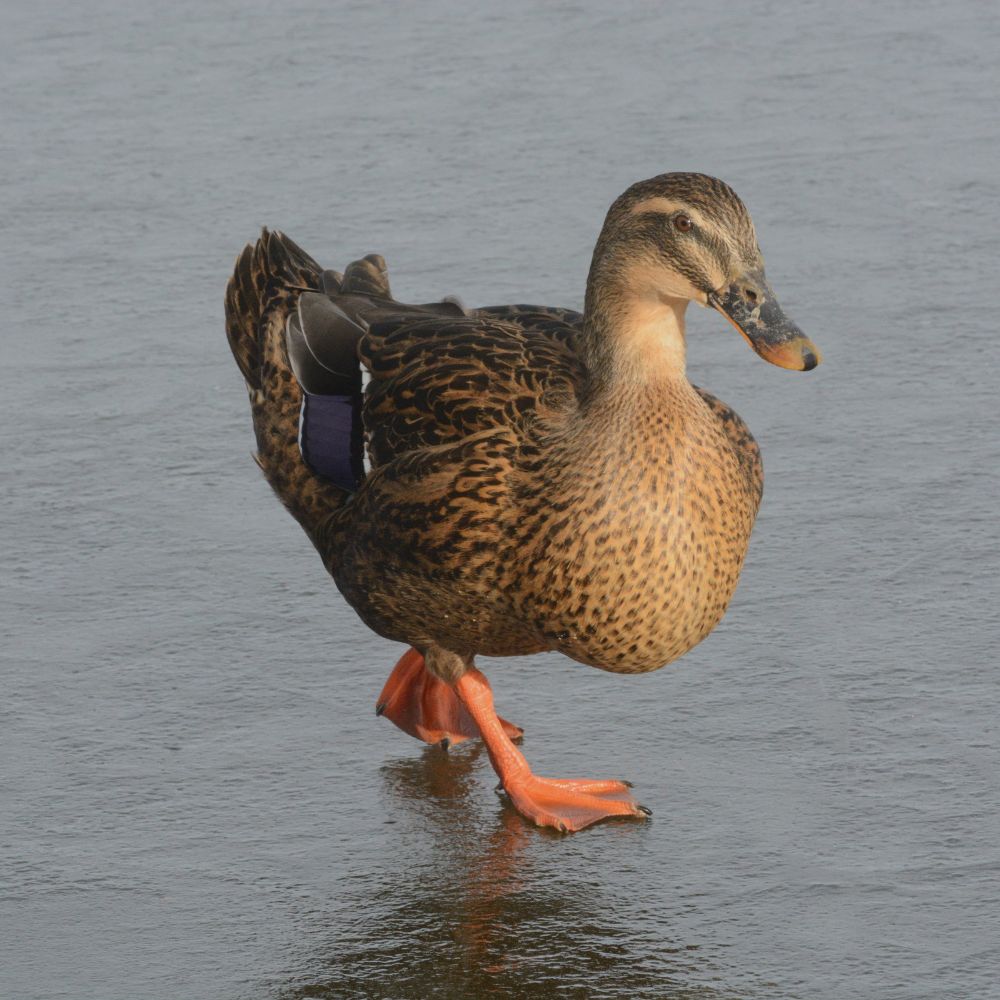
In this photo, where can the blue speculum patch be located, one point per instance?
(331, 439)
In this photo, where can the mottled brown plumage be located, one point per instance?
(540, 478)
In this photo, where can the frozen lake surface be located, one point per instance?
(197, 800)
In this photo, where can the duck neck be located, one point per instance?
(633, 335)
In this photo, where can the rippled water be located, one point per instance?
(197, 800)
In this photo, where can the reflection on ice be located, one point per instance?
(482, 912)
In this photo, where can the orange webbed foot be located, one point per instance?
(426, 707)
(570, 804)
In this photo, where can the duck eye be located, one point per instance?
(683, 223)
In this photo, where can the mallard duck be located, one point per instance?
(537, 478)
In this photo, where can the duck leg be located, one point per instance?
(426, 707)
(566, 805)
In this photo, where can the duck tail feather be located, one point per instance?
(262, 293)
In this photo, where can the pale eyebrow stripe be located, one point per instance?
(657, 205)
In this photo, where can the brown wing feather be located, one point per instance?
(436, 380)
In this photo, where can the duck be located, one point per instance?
(515, 479)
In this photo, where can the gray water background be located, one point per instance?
(197, 801)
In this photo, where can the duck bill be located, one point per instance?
(751, 306)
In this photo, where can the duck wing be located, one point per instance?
(439, 378)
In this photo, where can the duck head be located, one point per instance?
(681, 238)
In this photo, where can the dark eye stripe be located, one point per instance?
(655, 229)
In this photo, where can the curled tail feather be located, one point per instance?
(263, 291)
